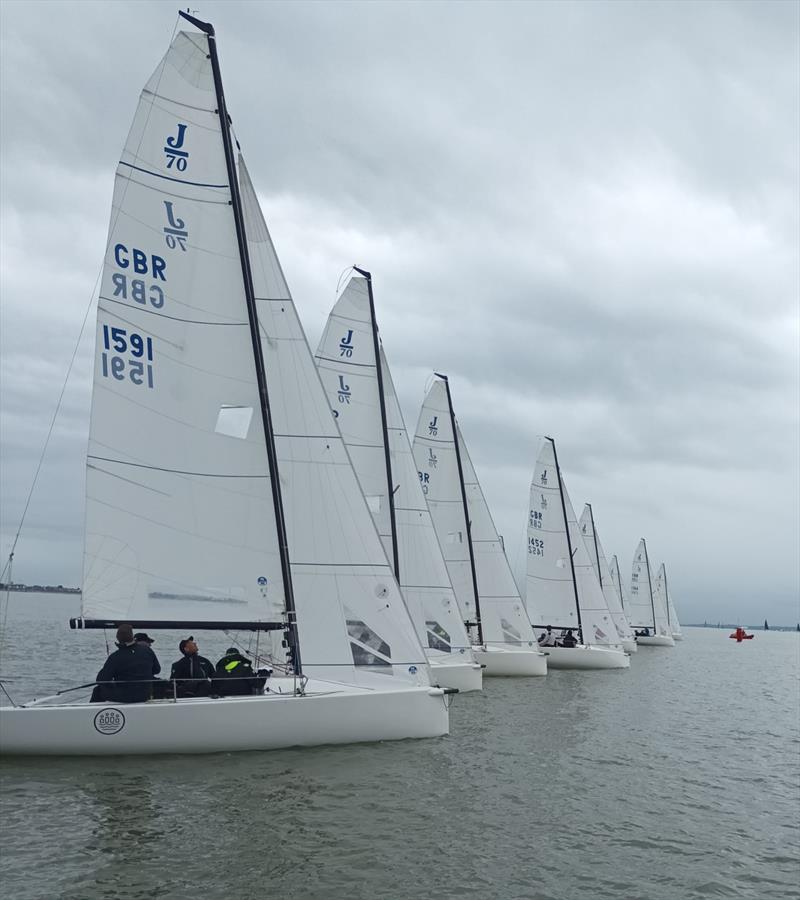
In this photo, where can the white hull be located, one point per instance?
(656, 640)
(465, 676)
(328, 714)
(677, 636)
(502, 662)
(587, 657)
(628, 646)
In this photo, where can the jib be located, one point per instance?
(140, 261)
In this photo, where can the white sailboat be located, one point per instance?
(476, 562)
(219, 492)
(647, 616)
(662, 593)
(563, 591)
(368, 413)
(601, 570)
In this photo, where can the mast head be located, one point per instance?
(439, 375)
(364, 272)
(207, 27)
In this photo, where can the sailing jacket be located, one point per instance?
(193, 667)
(134, 667)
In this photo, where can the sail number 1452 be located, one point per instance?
(127, 356)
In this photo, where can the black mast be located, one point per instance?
(477, 621)
(619, 582)
(666, 595)
(258, 356)
(650, 584)
(596, 551)
(384, 427)
(569, 543)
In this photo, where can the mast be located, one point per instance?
(384, 427)
(650, 585)
(666, 595)
(594, 536)
(466, 512)
(569, 543)
(258, 356)
(619, 582)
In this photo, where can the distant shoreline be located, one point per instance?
(39, 589)
(723, 626)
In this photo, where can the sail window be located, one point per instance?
(438, 638)
(374, 502)
(234, 421)
(369, 648)
(510, 633)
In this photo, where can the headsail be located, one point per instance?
(621, 587)
(663, 596)
(502, 614)
(346, 363)
(180, 525)
(597, 555)
(351, 617)
(562, 588)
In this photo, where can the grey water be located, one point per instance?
(679, 778)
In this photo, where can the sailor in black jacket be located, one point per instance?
(193, 672)
(129, 669)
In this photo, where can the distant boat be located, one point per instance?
(563, 593)
(741, 635)
(647, 615)
(665, 598)
(766, 625)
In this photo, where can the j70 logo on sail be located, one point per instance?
(175, 156)
(433, 428)
(346, 344)
(344, 391)
(175, 231)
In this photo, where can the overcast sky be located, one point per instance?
(587, 214)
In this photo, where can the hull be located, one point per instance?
(327, 714)
(464, 676)
(629, 646)
(500, 662)
(587, 657)
(656, 640)
(677, 636)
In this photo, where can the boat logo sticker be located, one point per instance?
(433, 428)
(432, 458)
(109, 721)
(175, 230)
(175, 156)
(543, 477)
(346, 344)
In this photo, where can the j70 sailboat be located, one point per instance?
(647, 615)
(219, 492)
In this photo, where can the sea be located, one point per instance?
(679, 778)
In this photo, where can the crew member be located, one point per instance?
(128, 672)
(193, 672)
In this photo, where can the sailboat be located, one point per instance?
(563, 591)
(600, 565)
(487, 594)
(645, 612)
(219, 494)
(662, 593)
(356, 376)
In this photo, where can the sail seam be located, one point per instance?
(169, 178)
(155, 312)
(123, 462)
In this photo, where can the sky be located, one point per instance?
(586, 214)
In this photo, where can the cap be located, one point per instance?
(231, 650)
(184, 642)
(141, 636)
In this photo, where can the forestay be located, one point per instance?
(502, 614)
(553, 596)
(352, 622)
(180, 524)
(346, 363)
(597, 555)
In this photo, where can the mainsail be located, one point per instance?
(180, 520)
(600, 564)
(562, 588)
(349, 607)
(472, 549)
(346, 359)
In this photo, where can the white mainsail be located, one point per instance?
(562, 588)
(646, 610)
(621, 587)
(504, 622)
(346, 362)
(180, 524)
(597, 555)
(349, 605)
